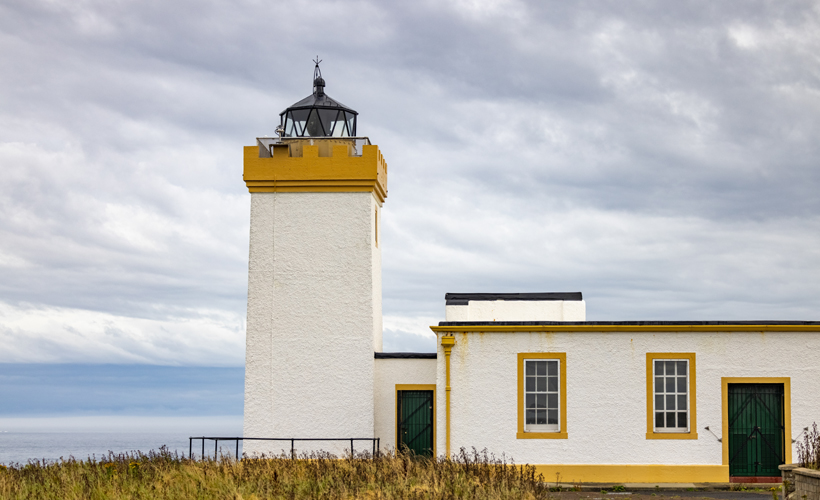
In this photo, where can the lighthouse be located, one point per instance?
(314, 276)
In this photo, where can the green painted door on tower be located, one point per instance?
(415, 421)
(756, 429)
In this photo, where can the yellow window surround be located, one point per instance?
(650, 397)
(562, 433)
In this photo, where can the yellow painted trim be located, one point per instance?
(634, 473)
(787, 410)
(625, 328)
(416, 387)
(447, 342)
(562, 357)
(310, 172)
(650, 397)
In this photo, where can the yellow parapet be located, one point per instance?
(327, 166)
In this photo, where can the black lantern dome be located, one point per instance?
(317, 115)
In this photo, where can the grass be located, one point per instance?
(165, 475)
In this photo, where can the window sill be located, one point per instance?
(671, 435)
(541, 435)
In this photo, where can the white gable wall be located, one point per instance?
(518, 310)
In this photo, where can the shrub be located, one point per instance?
(808, 451)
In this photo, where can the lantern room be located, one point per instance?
(318, 115)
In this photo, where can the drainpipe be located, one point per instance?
(447, 342)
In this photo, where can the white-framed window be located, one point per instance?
(541, 395)
(671, 403)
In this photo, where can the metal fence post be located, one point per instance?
(351, 449)
(237, 449)
(216, 448)
(203, 448)
(190, 448)
(292, 456)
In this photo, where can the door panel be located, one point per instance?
(415, 421)
(756, 429)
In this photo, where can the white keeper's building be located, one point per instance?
(521, 374)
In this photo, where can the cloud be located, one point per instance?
(662, 159)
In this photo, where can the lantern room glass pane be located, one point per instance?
(289, 126)
(328, 117)
(299, 118)
(313, 127)
(351, 124)
(340, 130)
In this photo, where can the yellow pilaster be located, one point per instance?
(447, 342)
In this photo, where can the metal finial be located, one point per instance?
(317, 73)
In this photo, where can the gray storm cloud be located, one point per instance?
(661, 158)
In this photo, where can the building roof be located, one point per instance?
(462, 299)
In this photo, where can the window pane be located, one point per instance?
(658, 384)
(658, 402)
(530, 385)
(313, 127)
(553, 368)
(340, 130)
(542, 367)
(530, 367)
(658, 368)
(530, 401)
(553, 384)
(351, 124)
(552, 402)
(670, 367)
(682, 402)
(541, 401)
(300, 117)
(542, 384)
(658, 419)
(288, 126)
(553, 417)
(681, 384)
(670, 384)
(670, 402)
(681, 368)
(541, 417)
(681, 419)
(328, 117)
(530, 416)
(670, 419)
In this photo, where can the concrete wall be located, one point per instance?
(314, 310)
(390, 372)
(606, 392)
(518, 310)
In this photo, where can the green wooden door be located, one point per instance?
(415, 421)
(756, 429)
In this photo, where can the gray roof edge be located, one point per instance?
(462, 299)
(404, 355)
(625, 323)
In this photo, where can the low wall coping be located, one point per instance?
(807, 472)
(788, 467)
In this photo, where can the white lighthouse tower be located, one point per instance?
(314, 280)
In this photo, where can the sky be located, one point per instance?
(659, 157)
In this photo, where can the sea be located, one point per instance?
(52, 438)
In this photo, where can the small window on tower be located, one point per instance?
(377, 227)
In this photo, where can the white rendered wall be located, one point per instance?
(314, 307)
(518, 310)
(390, 372)
(606, 392)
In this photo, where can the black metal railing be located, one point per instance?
(374, 442)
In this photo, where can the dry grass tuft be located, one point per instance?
(164, 475)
